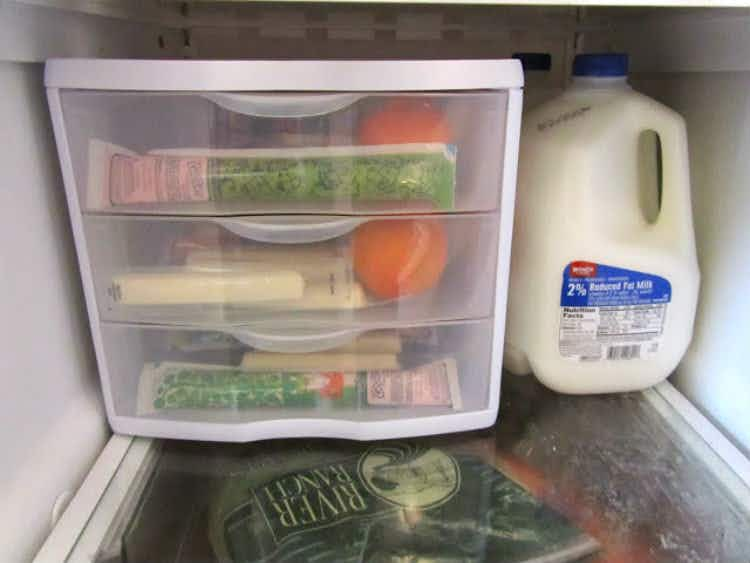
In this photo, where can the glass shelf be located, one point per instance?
(641, 476)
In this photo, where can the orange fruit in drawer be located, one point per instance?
(393, 258)
(405, 121)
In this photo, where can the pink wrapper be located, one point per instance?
(152, 179)
(434, 384)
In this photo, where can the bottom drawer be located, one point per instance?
(210, 384)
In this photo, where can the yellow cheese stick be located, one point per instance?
(319, 269)
(336, 294)
(379, 342)
(330, 360)
(186, 287)
(273, 253)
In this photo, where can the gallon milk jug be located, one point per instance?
(604, 276)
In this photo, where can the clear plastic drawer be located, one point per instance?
(242, 384)
(294, 271)
(218, 153)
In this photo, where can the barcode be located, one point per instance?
(624, 352)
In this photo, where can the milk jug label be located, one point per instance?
(609, 313)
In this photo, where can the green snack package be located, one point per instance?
(418, 172)
(174, 385)
(425, 176)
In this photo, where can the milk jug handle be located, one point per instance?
(675, 218)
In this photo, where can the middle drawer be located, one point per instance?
(293, 270)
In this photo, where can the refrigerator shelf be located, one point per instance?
(644, 474)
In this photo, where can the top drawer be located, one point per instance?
(342, 137)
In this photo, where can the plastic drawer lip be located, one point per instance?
(277, 341)
(290, 76)
(270, 327)
(324, 215)
(307, 427)
(284, 105)
(280, 228)
(262, 326)
(294, 339)
(150, 212)
(289, 230)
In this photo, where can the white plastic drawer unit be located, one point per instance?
(292, 248)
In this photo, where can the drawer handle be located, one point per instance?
(282, 105)
(291, 229)
(299, 342)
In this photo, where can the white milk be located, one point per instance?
(604, 283)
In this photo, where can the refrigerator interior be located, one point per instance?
(694, 60)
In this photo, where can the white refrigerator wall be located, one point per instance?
(52, 426)
(717, 109)
(698, 63)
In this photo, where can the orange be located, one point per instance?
(405, 121)
(393, 258)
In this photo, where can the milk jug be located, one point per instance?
(604, 276)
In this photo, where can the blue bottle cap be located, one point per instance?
(601, 65)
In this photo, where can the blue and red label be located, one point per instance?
(609, 313)
(588, 284)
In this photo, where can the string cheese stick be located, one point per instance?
(380, 342)
(319, 269)
(183, 287)
(329, 360)
(268, 253)
(346, 294)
